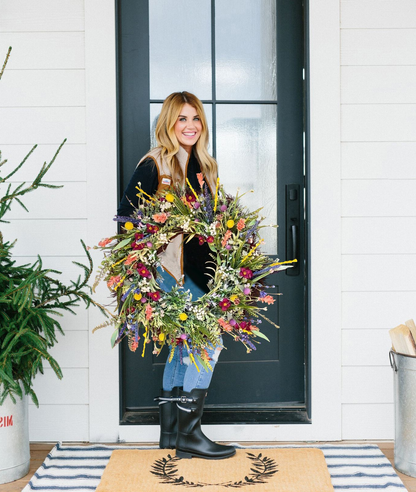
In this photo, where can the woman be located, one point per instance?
(182, 137)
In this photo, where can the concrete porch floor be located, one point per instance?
(39, 451)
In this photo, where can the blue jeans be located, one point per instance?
(186, 374)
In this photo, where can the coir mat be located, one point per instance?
(263, 470)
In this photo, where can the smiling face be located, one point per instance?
(188, 127)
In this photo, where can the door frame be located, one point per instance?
(325, 235)
(133, 82)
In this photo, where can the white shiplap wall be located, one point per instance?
(42, 101)
(378, 148)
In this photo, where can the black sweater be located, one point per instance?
(195, 256)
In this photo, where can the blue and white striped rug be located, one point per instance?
(79, 468)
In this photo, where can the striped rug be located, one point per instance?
(79, 468)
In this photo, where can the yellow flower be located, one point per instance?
(230, 224)
(233, 298)
(183, 317)
(137, 297)
(169, 197)
(161, 337)
(128, 225)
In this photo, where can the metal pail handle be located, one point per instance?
(392, 360)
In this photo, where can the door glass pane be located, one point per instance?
(246, 154)
(246, 49)
(180, 47)
(154, 115)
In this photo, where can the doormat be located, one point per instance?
(80, 468)
(264, 470)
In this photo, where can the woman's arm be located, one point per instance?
(146, 174)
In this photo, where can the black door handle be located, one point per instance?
(293, 251)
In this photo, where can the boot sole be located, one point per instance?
(186, 455)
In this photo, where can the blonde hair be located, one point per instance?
(168, 142)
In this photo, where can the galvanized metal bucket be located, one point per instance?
(14, 440)
(404, 367)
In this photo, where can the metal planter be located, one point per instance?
(14, 440)
(404, 367)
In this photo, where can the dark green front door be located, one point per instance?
(245, 60)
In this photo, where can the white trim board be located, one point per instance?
(325, 237)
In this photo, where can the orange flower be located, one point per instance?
(129, 260)
(224, 325)
(113, 281)
(161, 218)
(226, 237)
(267, 299)
(200, 177)
(241, 224)
(104, 242)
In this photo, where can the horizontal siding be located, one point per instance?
(365, 347)
(42, 125)
(70, 165)
(378, 85)
(72, 389)
(44, 50)
(68, 202)
(379, 235)
(368, 421)
(29, 16)
(378, 47)
(378, 160)
(367, 384)
(63, 237)
(369, 310)
(21, 88)
(379, 273)
(378, 122)
(378, 14)
(55, 423)
(73, 342)
(379, 198)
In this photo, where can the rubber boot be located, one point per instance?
(168, 418)
(191, 442)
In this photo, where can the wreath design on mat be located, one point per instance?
(263, 468)
(237, 296)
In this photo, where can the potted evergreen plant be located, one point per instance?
(31, 298)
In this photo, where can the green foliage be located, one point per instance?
(31, 299)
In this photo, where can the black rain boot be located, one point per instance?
(168, 418)
(191, 441)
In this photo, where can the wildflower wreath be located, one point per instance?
(235, 300)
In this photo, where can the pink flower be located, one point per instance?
(137, 246)
(201, 240)
(149, 311)
(246, 273)
(151, 229)
(155, 296)
(160, 218)
(143, 271)
(190, 197)
(241, 224)
(210, 239)
(224, 304)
